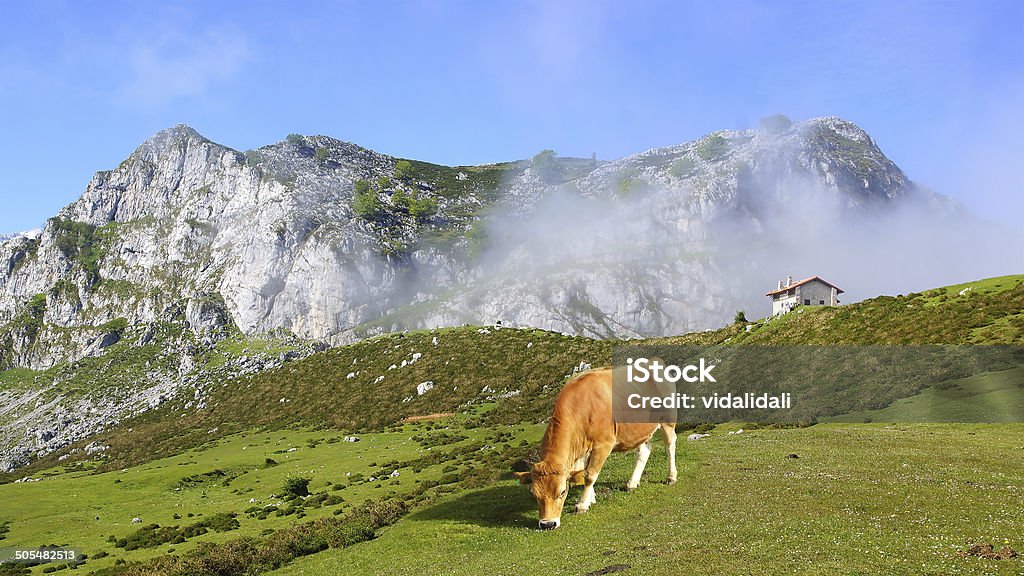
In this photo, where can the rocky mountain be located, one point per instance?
(30, 234)
(280, 238)
(188, 243)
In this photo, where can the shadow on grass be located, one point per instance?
(498, 506)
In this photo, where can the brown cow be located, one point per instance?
(580, 436)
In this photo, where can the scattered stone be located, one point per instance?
(696, 436)
(424, 387)
(792, 456)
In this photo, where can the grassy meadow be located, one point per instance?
(262, 480)
(858, 499)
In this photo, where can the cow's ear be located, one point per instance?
(524, 477)
(578, 478)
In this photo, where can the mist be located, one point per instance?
(702, 257)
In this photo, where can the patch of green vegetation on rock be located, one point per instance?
(25, 327)
(712, 147)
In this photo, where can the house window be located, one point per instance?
(807, 301)
(821, 302)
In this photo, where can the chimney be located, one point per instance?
(780, 284)
(789, 280)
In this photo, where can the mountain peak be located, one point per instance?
(177, 136)
(179, 131)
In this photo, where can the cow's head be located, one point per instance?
(549, 485)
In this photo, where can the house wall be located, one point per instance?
(813, 293)
(782, 304)
(816, 294)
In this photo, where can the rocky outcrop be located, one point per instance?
(271, 239)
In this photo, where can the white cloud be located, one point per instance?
(176, 66)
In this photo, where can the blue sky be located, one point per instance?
(939, 85)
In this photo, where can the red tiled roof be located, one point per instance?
(804, 281)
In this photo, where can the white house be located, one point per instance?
(811, 291)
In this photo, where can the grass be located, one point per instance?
(93, 511)
(859, 499)
(316, 391)
(988, 397)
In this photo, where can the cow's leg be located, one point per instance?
(669, 432)
(643, 452)
(594, 465)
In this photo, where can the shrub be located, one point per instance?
(117, 325)
(740, 318)
(683, 167)
(153, 535)
(249, 555)
(37, 306)
(402, 200)
(297, 140)
(403, 170)
(321, 154)
(366, 203)
(545, 164)
(297, 486)
(712, 147)
(422, 208)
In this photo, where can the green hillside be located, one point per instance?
(530, 364)
(988, 397)
(210, 485)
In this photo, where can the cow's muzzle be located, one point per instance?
(548, 524)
